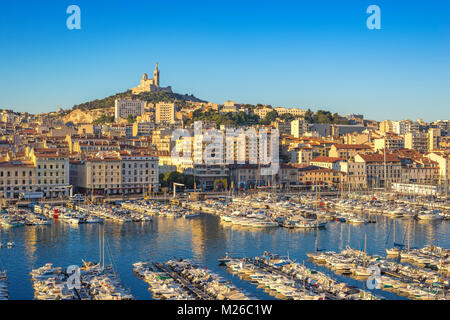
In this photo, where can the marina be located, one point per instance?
(190, 234)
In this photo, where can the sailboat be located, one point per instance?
(405, 254)
(395, 251)
(362, 270)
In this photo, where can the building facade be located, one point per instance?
(123, 108)
(165, 112)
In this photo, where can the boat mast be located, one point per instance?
(316, 243)
(394, 233)
(103, 241)
(409, 238)
(385, 169)
(99, 246)
(365, 247)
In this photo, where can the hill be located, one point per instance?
(86, 116)
(152, 97)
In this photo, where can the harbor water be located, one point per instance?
(203, 239)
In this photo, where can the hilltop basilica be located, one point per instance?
(150, 85)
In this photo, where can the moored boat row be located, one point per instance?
(286, 279)
(405, 280)
(95, 283)
(4, 294)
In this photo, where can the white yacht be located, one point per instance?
(430, 216)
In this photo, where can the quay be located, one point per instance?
(181, 279)
(186, 284)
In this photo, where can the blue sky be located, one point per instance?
(307, 54)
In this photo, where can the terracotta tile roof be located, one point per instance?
(326, 159)
(352, 146)
(379, 157)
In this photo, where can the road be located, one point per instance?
(168, 196)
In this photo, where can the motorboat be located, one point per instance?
(429, 216)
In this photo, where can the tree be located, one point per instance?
(287, 117)
(104, 118)
(131, 119)
(271, 116)
(309, 116)
(170, 177)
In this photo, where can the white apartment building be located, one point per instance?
(99, 174)
(433, 138)
(17, 177)
(165, 112)
(404, 126)
(355, 175)
(416, 141)
(139, 173)
(443, 161)
(298, 127)
(124, 108)
(391, 142)
(209, 148)
(142, 128)
(52, 172)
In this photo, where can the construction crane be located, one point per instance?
(175, 184)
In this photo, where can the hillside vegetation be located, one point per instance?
(152, 97)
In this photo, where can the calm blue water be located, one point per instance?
(203, 239)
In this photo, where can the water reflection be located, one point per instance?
(203, 239)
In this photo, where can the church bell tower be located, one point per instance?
(156, 76)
